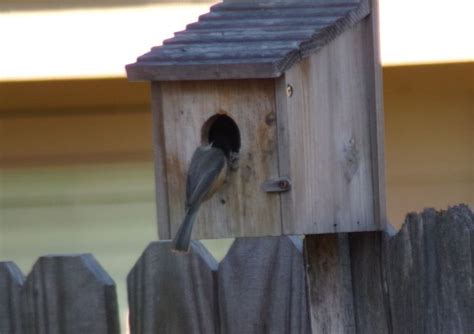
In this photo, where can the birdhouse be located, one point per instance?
(295, 88)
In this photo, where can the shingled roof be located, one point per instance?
(248, 40)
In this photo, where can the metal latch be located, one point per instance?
(281, 184)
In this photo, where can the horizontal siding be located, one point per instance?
(71, 123)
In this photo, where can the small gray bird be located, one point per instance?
(206, 174)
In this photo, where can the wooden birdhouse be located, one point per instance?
(296, 88)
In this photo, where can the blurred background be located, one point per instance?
(76, 164)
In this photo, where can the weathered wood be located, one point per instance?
(239, 36)
(327, 20)
(369, 287)
(207, 70)
(330, 285)
(67, 295)
(169, 292)
(262, 287)
(161, 177)
(322, 140)
(281, 184)
(263, 11)
(216, 53)
(238, 5)
(236, 30)
(329, 151)
(282, 93)
(224, 47)
(376, 115)
(419, 281)
(430, 273)
(11, 282)
(240, 207)
(256, 23)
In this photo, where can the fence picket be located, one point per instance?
(169, 292)
(431, 273)
(69, 294)
(11, 282)
(262, 287)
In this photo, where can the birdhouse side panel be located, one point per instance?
(328, 138)
(240, 207)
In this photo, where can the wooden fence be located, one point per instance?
(418, 281)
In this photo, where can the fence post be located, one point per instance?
(11, 282)
(330, 285)
(369, 284)
(69, 294)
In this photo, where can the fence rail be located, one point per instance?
(418, 281)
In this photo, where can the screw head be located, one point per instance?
(283, 184)
(289, 90)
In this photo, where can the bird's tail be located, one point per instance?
(182, 238)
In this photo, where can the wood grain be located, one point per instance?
(161, 177)
(69, 294)
(11, 282)
(262, 287)
(259, 68)
(240, 207)
(240, 36)
(239, 5)
(418, 281)
(284, 153)
(328, 138)
(259, 23)
(188, 57)
(274, 10)
(431, 271)
(330, 283)
(369, 285)
(377, 132)
(214, 51)
(174, 293)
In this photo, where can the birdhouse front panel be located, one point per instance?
(190, 111)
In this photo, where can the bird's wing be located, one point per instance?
(206, 165)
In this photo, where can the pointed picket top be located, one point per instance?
(11, 282)
(262, 287)
(69, 294)
(170, 292)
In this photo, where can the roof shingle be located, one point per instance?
(247, 40)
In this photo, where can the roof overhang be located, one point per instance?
(247, 40)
